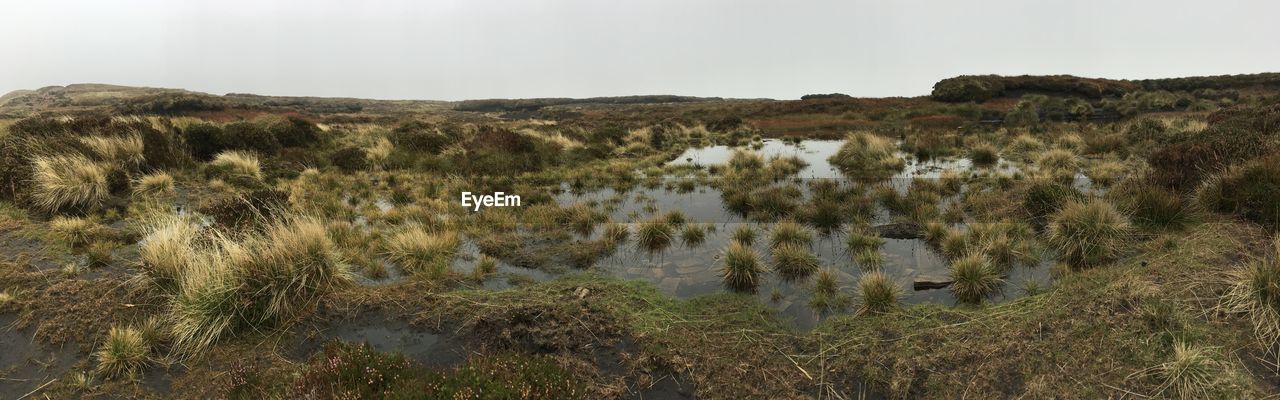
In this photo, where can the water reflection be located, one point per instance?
(691, 271)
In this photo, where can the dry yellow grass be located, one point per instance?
(76, 231)
(68, 181)
(238, 164)
(159, 183)
(123, 151)
(379, 152)
(168, 249)
(420, 252)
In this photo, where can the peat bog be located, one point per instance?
(1058, 237)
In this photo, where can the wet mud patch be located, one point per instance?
(666, 387)
(383, 334)
(74, 309)
(26, 364)
(16, 248)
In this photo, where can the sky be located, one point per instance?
(470, 49)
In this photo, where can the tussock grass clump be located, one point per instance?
(156, 184)
(742, 160)
(1150, 205)
(862, 239)
(99, 254)
(789, 232)
(486, 266)
(774, 202)
(1105, 173)
(1088, 233)
(230, 285)
(123, 353)
(693, 234)
(741, 270)
(973, 278)
(654, 235)
(81, 380)
(124, 151)
(236, 164)
(1000, 249)
(1255, 293)
(675, 218)
(1025, 146)
(793, 262)
(294, 261)
(1250, 190)
(616, 233)
(954, 244)
(933, 232)
(379, 153)
(826, 292)
(984, 155)
(420, 252)
(865, 155)
(877, 293)
(868, 259)
(744, 234)
(68, 181)
(1058, 160)
(582, 218)
(206, 306)
(75, 231)
(167, 249)
(1042, 197)
(1191, 373)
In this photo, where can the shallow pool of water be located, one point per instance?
(687, 271)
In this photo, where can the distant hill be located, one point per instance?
(980, 88)
(80, 96)
(506, 105)
(83, 97)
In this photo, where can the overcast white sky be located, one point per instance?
(450, 50)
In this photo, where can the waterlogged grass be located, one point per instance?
(1168, 306)
(1099, 322)
(742, 269)
(1089, 233)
